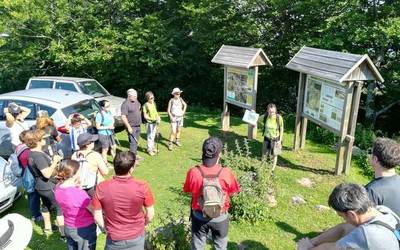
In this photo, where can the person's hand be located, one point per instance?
(130, 130)
(57, 158)
(158, 120)
(304, 244)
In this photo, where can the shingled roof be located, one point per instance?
(337, 66)
(241, 57)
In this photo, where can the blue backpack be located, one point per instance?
(28, 180)
(396, 230)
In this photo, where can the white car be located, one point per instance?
(59, 104)
(10, 188)
(81, 85)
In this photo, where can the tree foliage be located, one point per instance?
(159, 44)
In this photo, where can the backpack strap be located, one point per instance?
(208, 176)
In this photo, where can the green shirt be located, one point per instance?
(271, 127)
(151, 110)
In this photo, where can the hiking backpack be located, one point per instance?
(212, 196)
(396, 231)
(14, 163)
(88, 178)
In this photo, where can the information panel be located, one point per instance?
(324, 102)
(240, 87)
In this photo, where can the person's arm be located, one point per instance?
(281, 128)
(124, 118)
(24, 112)
(169, 110)
(149, 214)
(87, 122)
(333, 234)
(145, 115)
(98, 218)
(325, 246)
(102, 165)
(9, 118)
(184, 106)
(48, 172)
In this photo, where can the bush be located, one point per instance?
(364, 137)
(320, 135)
(255, 178)
(173, 233)
(362, 162)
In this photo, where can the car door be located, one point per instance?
(65, 86)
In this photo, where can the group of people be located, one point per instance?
(86, 203)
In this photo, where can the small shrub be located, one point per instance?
(320, 135)
(362, 162)
(174, 233)
(254, 176)
(364, 137)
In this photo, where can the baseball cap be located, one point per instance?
(131, 92)
(86, 138)
(211, 149)
(13, 108)
(176, 90)
(15, 232)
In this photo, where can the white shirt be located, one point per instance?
(15, 130)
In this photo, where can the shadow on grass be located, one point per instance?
(290, 229)
(247, 244)
(283, 162)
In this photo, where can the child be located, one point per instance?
(176, 110)
(152, 119)
(77, 124)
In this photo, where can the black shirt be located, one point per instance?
(132, 112)
(385, 191)
(38, 161)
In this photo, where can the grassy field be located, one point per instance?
(286, 223)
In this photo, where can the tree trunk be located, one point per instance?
(370, 104)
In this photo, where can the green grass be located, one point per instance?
(286, 224)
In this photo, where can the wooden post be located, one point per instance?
(299, 111)
(303, 132)
(352, 125)
(225, 117)
(342, 144)
(252, 130)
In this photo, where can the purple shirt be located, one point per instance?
(73, 202)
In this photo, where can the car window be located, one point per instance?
(86, 108)
(66, 86)
(93, 88)
(38, 84)
(29, 105)
(49, 110)
(2, 106)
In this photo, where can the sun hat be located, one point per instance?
(15, 232)
(211, 149)
(86, 138)
(176, 91)
(131, 92)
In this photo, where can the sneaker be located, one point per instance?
(151, 153)
(47, 232)
(170, 147)
(178, 143)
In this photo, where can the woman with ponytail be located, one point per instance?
(80, 228)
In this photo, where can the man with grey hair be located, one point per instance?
(132, 118)
(366, 227)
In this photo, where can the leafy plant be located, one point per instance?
(362, 162)
(364, 137)
(255, 178)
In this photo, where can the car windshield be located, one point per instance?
(93, 88)
(87, 108)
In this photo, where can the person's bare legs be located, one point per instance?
(172, 137)
(178, 136)
(46, 220)
(104, 154)
(60, 224)
(274, 161)
(113, 150)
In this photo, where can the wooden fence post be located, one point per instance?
(299, 110)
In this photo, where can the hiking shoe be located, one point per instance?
(151, 153)
(178, 143)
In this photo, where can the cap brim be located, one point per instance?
(22, 231)
(176, 92)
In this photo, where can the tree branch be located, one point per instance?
(385, 109)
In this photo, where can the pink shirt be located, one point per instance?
(73, 202)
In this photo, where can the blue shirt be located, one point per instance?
(105, 118)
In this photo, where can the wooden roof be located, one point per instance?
(241, 57)
(337, 66)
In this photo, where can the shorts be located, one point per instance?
(269, 146)
(176, 123)
(106, 141)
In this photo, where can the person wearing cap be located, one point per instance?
(15, 121)
(42, 168)
(94, 159)
(201, 224)
(152, 118)
(76, 125)
(123, 205)
(15, 232)
(176, 111)
(132, 118)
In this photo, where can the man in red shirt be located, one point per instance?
(127, 204)
(201, 224)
